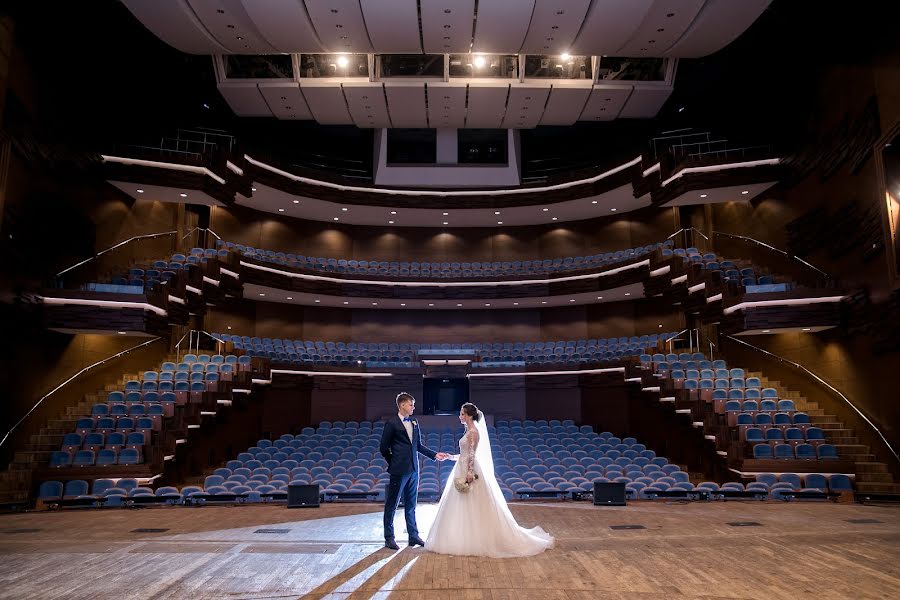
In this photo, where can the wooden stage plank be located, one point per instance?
(684, 551)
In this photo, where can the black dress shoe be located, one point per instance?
(392, 544)
(416, 541)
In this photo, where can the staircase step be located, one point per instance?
(875, 477)
(872, 467)
(872, 487)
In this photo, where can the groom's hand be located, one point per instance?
(442, 456)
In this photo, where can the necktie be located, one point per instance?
(405, 419)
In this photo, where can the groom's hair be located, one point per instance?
(404, 397)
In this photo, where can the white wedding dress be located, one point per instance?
(478, 522)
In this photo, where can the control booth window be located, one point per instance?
(411, 146)
(482, 146)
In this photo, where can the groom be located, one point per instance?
(401, 442)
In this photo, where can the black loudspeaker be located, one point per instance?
(609, 494)
(303, 496)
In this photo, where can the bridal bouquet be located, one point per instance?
(462, 485)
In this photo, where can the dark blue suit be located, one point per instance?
(402, 456)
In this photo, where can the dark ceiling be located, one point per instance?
(100, 77)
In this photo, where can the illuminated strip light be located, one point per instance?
(698, 425)
(448, 283)
(710, 437)
(191, 288)
(790, 302)
(683, 411)
(681, 279)
(660, 271)
(210, 280)
(651, 170)
(335, 373)
(223, 402)
(650, 389)
(105, 304)
(175, 299)
(162, 165)
(181, 441)
(227, 272)
(442, 362)
(170, 456)
(193, 426)
(632, 379)
(374, 190)
(723, 167)
(528, 373)
(234, 168)
(240, 391)
(261, 381)
(207, 413)
(667, 399)
(697, 288)
(714, 298)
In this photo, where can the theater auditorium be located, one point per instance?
(250, 248)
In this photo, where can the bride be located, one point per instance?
(477, 522)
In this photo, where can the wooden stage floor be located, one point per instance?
(819, 550)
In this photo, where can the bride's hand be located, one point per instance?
(470, 478)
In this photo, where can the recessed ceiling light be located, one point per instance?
(374, 304)
(613, 209)
(515, 303)
(660, 324)
(767, 331)
(261, 294)
(403, 304)
(336, 219)
(393, 212)
(445, 214)
(229, 327)
(344, 208)
(290, 297)
(496, 212)
(807, 329)
(499, 222)
(253, 189)
(571, 299)
(296, 202)
(446, 223)
(487, 303)
(140, 191)
(478, 62)
(703, 195)
(183, 195)
(280, 210)
(342, 61)
(390, 222)
(459, 304)
(317, 300)
(745, 192)
(546, 209)
(346, 302)
(543, 302)
(627, 293)
(593, 202)
(121, 333)
(599, 297)
(431, 304)
(554, 218)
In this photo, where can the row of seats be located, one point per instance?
(102, 458)
(444, 269)
(802, 451)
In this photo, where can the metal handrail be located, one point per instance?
(120, 244)
(773, 249)
(70, 379)
(192, 338)
(826, 384)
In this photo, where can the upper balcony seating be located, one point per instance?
(349, 354)
(462, 270)
(729, 271)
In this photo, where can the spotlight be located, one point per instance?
(140, 191)
(478, 62)
(342, 61)
(565, 57)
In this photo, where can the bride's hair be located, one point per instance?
(472, 410)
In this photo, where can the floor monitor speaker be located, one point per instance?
(609, 494)
(303, 496)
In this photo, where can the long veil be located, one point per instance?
(483, 453)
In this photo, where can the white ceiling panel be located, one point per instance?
(393, 25)
(718, 24)
(229, 23)
(406, 102)
(244, 99)
(339, 25)
(284, 24)
(326, 102)
(609, 25)
(554, 26)
(367, 104)
(663, 25)
(525, 106)
(564, 105)
(645, 102)
(501, 26)
(605, 103)
(486, 106)
(176, 24)
(446, 105)
(447, 25)
(285, 101)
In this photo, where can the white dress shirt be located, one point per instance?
(407, 425)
